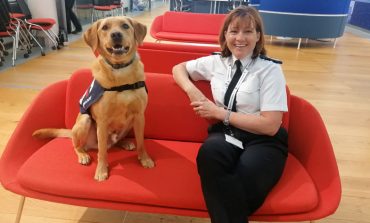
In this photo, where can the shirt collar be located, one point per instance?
(245, 61)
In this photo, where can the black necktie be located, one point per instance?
(234, 81)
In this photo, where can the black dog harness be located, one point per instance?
(95, 91)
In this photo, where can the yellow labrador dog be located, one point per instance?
(116, 100)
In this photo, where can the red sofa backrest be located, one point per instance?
(188, 22)
(168, 114)
(178, 47)
(160, 58)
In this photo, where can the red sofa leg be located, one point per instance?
(20, 209)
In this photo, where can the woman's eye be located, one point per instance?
(125, 26)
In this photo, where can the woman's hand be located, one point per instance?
(209, 110)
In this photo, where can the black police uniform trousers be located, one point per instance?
(235, 182)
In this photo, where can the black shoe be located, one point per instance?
(76, 31)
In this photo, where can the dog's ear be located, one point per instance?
(91, 35)
(140, 31)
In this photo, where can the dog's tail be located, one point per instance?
(52, 133)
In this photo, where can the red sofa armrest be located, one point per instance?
(157, 26)
(47, 110)
(309, 142)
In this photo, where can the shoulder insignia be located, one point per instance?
(264, 57)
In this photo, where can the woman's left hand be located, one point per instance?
(207, 109)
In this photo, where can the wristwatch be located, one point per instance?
(227, 117)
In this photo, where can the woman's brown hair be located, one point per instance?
(249, 14)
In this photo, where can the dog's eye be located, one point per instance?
(105, 27)
(125, 26)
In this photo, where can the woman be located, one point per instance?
(245, 152)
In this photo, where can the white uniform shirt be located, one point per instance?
(263, 88)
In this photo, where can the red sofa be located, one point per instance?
(161, 57)
(48, 170)
(187, 27)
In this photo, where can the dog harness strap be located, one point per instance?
(126, 87)
(95, 91)
(92, 95)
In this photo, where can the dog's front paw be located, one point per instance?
(84, 158)
(101, 173)
(147, 162)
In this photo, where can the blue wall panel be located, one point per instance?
(304, 6)
(361, 15)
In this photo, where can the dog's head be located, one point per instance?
(115, 38)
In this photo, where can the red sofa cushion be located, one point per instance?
(196, 23)
(295, 192)
(54, 169)
(174, 182)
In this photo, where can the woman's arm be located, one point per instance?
(267, 123)
(181, 76)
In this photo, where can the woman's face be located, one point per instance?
(241, 37)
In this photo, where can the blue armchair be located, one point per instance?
(313, 19)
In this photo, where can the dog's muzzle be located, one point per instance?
(118, 48)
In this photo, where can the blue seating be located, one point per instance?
(254, 3)
(313, 19)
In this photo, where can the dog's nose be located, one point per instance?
(116, 36)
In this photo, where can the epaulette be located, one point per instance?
(264, 57)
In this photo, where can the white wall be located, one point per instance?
(44, 9)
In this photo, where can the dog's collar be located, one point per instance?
(119, 66)
(126, 87)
